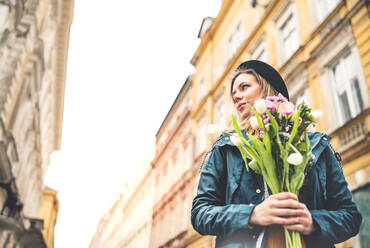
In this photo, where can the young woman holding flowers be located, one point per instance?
(232, 202)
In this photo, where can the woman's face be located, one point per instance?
(246, 89)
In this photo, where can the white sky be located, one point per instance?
(127, 61)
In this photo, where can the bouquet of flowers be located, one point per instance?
(278, 148)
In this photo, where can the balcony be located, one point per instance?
(352, 139)
(26, 231)
(32, 235)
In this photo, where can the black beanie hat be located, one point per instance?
(268, 73)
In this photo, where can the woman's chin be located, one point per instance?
(245, 114)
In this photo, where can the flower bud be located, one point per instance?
(236, 140)
(254, 123)
(317, 115)
(254, 166)
(295, 158)
(260, 106)
(214, 129)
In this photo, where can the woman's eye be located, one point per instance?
(244, 86)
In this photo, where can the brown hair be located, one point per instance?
(266, 90)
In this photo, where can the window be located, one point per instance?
(201, 134)
(4, 23)
(234, 41)
(324, 7)
(303, 96)
(347, 88)
(288, 35)
(202, 89)
(220, 110)
(260, 52)
(4, 10)
(320, 9)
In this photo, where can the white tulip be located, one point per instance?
(260, 106)
(317, 115)
(214, 129)
(254, 123)
(295, 158)
(236, 140)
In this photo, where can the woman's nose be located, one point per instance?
(237, 96)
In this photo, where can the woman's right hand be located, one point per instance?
(277, 209)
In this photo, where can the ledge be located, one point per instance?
(10, 224)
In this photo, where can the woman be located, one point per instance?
(231, 203)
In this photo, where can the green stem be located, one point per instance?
(296, 239)
(295, 149)
(288, 239)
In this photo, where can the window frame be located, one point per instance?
(201, 141)
(342, 120)
(235, 40)
(258, 49)
(316, 10)
(286, 13)
(220, 120)
(202, 89)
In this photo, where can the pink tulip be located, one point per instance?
(286, 108)
(271, 106)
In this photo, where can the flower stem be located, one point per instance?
(295, 149)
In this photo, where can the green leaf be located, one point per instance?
(244, 156)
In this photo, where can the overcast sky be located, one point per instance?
(127, 61)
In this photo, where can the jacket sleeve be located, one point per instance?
(209, 214)
(340, 220)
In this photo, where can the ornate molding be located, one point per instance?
(15, 49)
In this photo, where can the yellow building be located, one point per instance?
(322, 50)
(49, 213)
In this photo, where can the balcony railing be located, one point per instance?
(352, 138)
(353, 134)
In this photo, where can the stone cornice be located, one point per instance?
(208, 36)
(62, 39)
(179, 99)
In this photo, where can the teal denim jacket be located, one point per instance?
(227, 194)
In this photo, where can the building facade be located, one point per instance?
(34, 38)
(322, 50)
(154, 210)
(173, 170)
(128, 223)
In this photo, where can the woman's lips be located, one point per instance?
(241, 106)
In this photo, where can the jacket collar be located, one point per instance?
(319, 142)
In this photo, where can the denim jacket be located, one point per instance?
(227, 194)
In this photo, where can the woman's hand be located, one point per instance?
(283, 209)
(303, 222)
